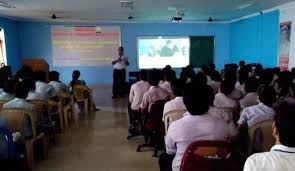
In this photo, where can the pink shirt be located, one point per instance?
(154, 94)
(193, 128)
(136, 93)
(172, 105)
(215, 86)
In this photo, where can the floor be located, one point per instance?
(99, 143)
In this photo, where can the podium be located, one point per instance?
(37, 64)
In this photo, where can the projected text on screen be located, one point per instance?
(84, 45)
(157, 52)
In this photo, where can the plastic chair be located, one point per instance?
(83, 94)
(262, 134)
(68, 103)
(171, 117)
(2, 102)
(207, 156)
(153, 127)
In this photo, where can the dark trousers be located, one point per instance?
(165, 162)
(119, 77)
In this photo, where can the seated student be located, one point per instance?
(222, 99)
(215, 83)
(75, 79)
(242, 78)
(19, 100)
(282, 154)
(177, 102)
(155, 92)
(196, 125)
(284, 81)
(166, 85)
(42, 87)
(136, 94)
(263, 111)
(251, 96)
(56, 84)
(8, 90)
(30, 86)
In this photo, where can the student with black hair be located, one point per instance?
(42, 86)
(282, 154)
(216, 80)
(197, 99)
(75, 79)
(169, 77)
(284, 81)
(223, 99)
(137, 91)
(155, 92)
(177, 102)
(263, 111)
(251, 96)
(242, 78)
(30, 86)
(56, 83)
(8, 90)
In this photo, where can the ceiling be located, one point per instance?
(144, 10)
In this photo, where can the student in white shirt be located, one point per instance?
(30, 86)
(119, 75)
(8, 93)
(263, 111)
(155, 92)
(196, 125)
(222, 99)
(282, 154)
(168, 79)
(242, 78)
(216, 80)
(251, 97)
(177, 102)
(135, 97)
(42, 87)
(56, 83)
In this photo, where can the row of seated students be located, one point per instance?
(255, 95)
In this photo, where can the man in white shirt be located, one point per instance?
(155, 92)
(135, 97)
(168, 79)
(56, 84)
(8, 93)
(251, 96)
(282, 154)
(30, 86)
(263, 111)
(42, 87)
(177, 102)
(119, 75)
(196, 125)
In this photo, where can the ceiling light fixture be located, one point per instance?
(246, 5)
(6, 5)
(129, 4)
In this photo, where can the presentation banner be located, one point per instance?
(284, 52)
(84, 45)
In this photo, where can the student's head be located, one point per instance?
(267, 76)
(120, 50)
(215, 76)
(204, 69)
(76, 74)
(251, 85)
(267, 95)
(258, 70)
(169, 75)
(199, 78)
(197, 98)
(154, 77)
(143, 75)
(284, 127)
(285, 80)
(227, 87)
(53, 76)
(29, 84)
(25, 72)
(243, 75)
(40, 76)
(9, 86)
(20, 91)
(242, 63)
(168, 67)
(277, 70)
(176, 87)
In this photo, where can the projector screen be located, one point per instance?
(157, 52)
(84, 45)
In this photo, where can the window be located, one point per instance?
(3, 59)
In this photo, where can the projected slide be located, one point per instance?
(84, 45)
(157, 52)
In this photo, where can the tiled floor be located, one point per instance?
(99, 143)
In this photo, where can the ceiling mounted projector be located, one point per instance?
(176, 19)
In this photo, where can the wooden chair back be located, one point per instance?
(207, 155)
(171, 117)
(260, 136)
(41, 109)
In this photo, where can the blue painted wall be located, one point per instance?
(35, 41)
(12, 42)
(255, 39)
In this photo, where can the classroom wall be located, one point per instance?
(35, 42)
(12, 42)
(255, 39)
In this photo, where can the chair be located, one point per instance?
(15, 122)
(262, 134)
(153, 127)
(207, 156)
(2, 102)
(171, 117)
(68, 103)
(83, 94)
